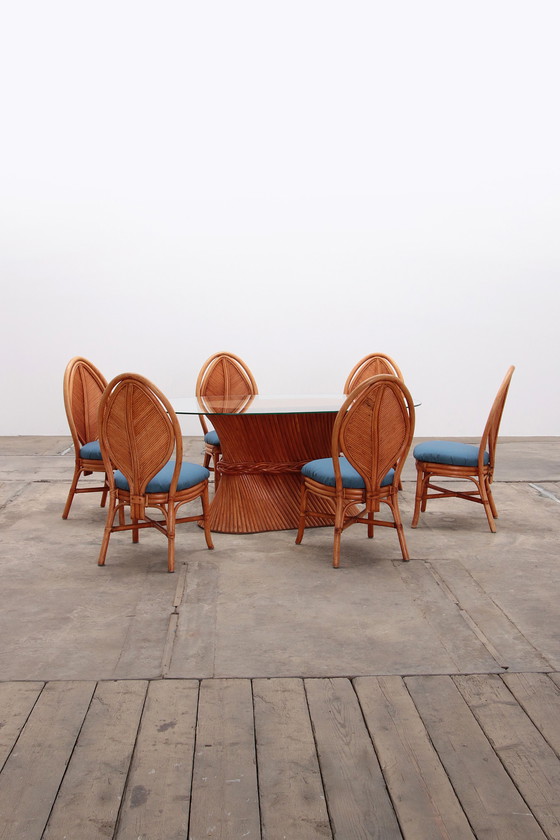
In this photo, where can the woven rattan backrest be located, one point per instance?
(490, 436)
(138, 431)
(371, 365)
(225, 374)
(83, 387)
(374, 428)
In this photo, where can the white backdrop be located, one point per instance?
(299, 183)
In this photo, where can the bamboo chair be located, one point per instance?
(370, 441)
(371, 365)
(83, 387)
(222, 375)
(139, 434)
(452, 459)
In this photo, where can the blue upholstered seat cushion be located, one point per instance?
(322, 470)
(91, 451)
(212, 438)
(190, 475)
(451, 452)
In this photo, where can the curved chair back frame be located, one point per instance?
(490, 434)
(223, 374)
(83, 387)
(371, 365)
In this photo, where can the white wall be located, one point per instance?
(299, 183)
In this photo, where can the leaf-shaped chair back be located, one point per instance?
(83, 388)
(371, 365)
(138, 433)
(374, 429)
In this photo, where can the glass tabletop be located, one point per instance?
(259, 404)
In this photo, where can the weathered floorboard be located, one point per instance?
(426, 805)
(489, 798)
(225, 800)
(32, 774)
(530, 761)
(291, 791)
(16, 702)
(358, 802)
(158, 790)
(88, 803)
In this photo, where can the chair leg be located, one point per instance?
(71, 492)
(370, 524)
(491, 500)
(338, 523)
(171, 538)
(206, 514)
(400, 529)
(487, 505)
(105, 492)
(419, 495)
(108, 526)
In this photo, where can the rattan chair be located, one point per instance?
(371, 438)
(141, 440)
(223, 375)
(83, 387)
(371, 365)
(456, 460)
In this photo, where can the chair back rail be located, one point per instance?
(490, 436)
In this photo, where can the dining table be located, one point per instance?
(265, 440)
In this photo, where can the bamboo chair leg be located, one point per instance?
(171, 538)
(71, 492)
(105, 492)
(370, 524)
(419, 495)
(135, 532)
(491, 500)
(205, 512)
(338, 525)
(111, 510)
(400, 530)
(487, 506)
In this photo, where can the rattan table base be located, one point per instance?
(262, 455)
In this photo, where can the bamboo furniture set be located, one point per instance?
(278, 463)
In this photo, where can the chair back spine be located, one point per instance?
(83, 387)
(490, 435)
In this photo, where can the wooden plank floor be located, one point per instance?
(420, 758)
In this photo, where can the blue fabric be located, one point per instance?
(212, 438)
(91, 451)
(322, 470)
(190, 475)
(451, 452)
